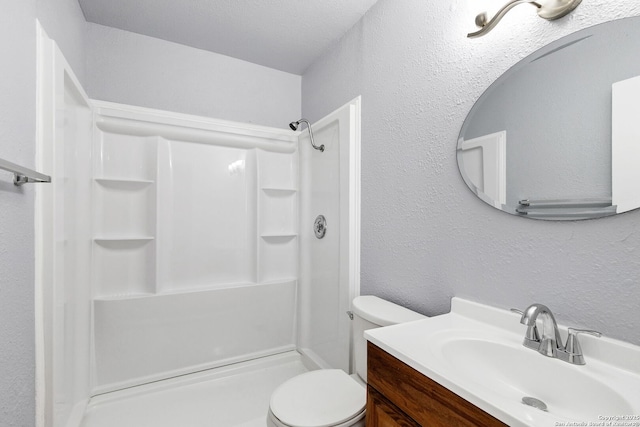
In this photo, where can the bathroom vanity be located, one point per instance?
(398, 395)
(469, 367)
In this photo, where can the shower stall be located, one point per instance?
(171, 246)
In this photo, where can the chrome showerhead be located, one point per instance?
(295, 125)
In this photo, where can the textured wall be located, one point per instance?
(138, 70)
(425, 236)
(17, 133)
(62, 19)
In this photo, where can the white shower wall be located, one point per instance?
(195, 244)
(330, 267)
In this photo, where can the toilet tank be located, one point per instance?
(372, 312)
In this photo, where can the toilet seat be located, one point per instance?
(323, 398)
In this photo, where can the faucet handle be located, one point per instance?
(576, 331)
(573, 348)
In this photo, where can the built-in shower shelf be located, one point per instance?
(205, 288)
(275, 190)
(283, 280)
(277, 259)
(123, 183)
(122, 297)
(123, 239)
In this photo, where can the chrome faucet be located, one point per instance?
(549, 343)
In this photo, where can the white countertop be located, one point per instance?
(476, 352)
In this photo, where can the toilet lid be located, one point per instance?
(318, 399)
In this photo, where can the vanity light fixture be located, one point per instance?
(547, 9)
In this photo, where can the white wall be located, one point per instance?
(138, 70)
(64, 22)
(62, 19)
(425, 236)
(17, 134)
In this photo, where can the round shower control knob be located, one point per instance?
(320, 226)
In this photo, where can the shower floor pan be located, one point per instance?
(232, 396)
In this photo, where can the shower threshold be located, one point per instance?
(231, 396)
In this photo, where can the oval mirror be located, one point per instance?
(558, 135)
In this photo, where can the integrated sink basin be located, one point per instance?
(476, 351)
(515, 372)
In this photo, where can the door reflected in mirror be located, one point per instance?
(558, 135)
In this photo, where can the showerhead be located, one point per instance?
(295, 125)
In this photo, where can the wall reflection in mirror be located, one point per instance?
(558, 135)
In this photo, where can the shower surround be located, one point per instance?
(194, 244)
(171, 244)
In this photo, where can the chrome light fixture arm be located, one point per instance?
(486, 26)
(549, 10)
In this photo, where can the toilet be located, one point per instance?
(331, 397)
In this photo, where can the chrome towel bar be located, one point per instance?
(566, 208)
(22, 175)
(566, 203)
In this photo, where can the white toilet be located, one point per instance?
(331, 397)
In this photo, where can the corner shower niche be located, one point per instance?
(124, 215)
(277, 213)
(189, 217)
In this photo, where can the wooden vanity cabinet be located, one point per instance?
(398, 395)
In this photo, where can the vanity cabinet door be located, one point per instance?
(424, 401)
(382, 413)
